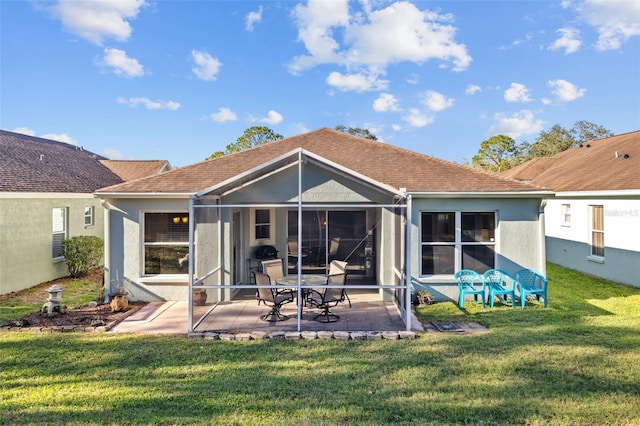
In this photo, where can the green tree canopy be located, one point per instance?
(496, 154)
(500, 152)
(356, 131)
(253, 136)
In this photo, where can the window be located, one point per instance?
(166, 243)
(597, 231)
(565, 220)
(59, 228)
(262, 227)
(88, 216)
(451, 241)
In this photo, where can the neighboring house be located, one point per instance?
(593, 223)
(401, 219)
(46, 195)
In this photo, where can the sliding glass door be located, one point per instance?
(330, 235)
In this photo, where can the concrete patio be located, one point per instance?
(242, 315)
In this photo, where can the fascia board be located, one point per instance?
(494, 194)
(166, 195)
(618, 193)
(35, 195)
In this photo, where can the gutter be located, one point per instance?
(496, 194)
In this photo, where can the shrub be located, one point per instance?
(82, 253)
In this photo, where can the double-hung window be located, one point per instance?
(262, 226)
(456, 240)
(166, 243)
(59, 231)
(88, 216)
(597, 231)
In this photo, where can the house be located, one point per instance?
(400, 219)
(593, 222)
(46, 195)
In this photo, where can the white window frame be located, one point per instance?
(59, 230)
(565, 215)
(271, 239)
(593, 231)
(89, 214)
(160, 278)
(458, 243)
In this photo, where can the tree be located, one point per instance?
(558, 139)
(496, 154)
(356, 131)
(252, 137)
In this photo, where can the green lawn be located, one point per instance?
(576, 362)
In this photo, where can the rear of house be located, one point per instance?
(401, 220)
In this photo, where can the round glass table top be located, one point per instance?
(305, 279)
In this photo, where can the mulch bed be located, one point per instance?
(90, 315)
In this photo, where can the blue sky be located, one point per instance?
(178, 80)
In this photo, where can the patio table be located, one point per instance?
(305, 279)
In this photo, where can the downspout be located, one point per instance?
(543, 245)
(192, 255)
(107, 250)
(407, 265)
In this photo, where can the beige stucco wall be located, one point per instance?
(26, 236)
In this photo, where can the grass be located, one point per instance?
(576, 362)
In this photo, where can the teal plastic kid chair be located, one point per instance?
(469, 282)
(500, 284)
(531, 283)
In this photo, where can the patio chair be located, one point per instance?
(500, 284)
(531, 283)
(340, 267)
(274, 268)
(327, 298)
(469, 282)
(271, 297)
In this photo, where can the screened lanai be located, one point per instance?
(311, 211)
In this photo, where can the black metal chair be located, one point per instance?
(328, 297)
(271, 297)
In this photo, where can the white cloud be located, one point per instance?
(413, 78)
(517, 93)
(565, 91)
(516, 125)
(373, 39)
(569, 40)
(98, 20)
(223, 115)
(113, 154)
(205, 66)
(60, 137)
(417, 118)
(120, 63)
(25, 131)
(253, 18)
(273, 117)
(615, 20)
(149, 104)
(437, 101)
(356, 82)
(472, 89)
(385, 102)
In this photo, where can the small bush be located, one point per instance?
(82, 254)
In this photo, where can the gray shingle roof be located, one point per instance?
(387, 164)
(31, 164)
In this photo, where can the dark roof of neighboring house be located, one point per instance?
(131, 169)
(611, 163)
(32, 164)
(387, 164)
